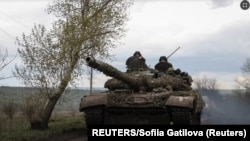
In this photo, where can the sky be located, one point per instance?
(213, 36)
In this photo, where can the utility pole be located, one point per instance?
(84, 8)
(91, 81)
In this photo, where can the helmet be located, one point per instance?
(137, 52)
(170, 71)
(178, 71)
(163, 58)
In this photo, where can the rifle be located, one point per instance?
(173, 52)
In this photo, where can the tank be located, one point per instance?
(144, 97)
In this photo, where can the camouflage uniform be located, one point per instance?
(163, 64)
(136, 64)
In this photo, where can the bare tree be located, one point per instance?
(54, 58)
(243, 84)
(205, 83)
(208, 87)
(4, 61)
(245, 81)
(9, 109)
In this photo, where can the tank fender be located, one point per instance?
(181, 101)
(93, 100)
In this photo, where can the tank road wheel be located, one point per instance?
(182, 116)
(196, 118)
(94, 116)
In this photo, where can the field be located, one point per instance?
(65, 118)
(222, 107)
(18, 129)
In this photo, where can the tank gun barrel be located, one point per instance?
(113, 72)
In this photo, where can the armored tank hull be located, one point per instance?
(141, 98)
(124, 107)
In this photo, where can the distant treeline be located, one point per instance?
(69, 101)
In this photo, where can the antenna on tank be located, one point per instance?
(173, 52)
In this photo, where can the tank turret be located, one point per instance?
(142, 97)
(137, 80)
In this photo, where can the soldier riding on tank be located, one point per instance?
(163, 65)
(136, 62)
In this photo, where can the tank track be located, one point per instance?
(184, 116)
(94, 116)
(136, 116)
(178, 116)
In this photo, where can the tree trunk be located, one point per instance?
(43, 124)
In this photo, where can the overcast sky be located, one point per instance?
(213, 35)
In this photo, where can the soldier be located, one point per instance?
(136, 62)
(163, 65)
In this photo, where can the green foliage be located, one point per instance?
(82, 29)
(52, 59)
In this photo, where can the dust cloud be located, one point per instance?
(227, 108)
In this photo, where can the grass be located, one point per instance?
(18, 129)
